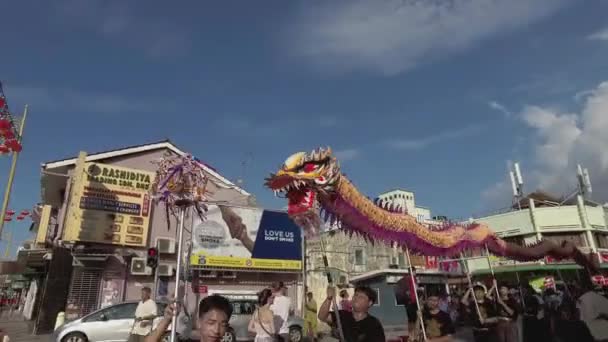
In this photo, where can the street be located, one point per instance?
(18, 331)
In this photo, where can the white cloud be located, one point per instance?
(417, 144)
(599, 35)
(122, 22)
(392, 36)
(499, 107)
(347, 154)
(563, 140)
(64, 99)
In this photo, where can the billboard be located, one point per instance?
(110, 204)
(236, 237)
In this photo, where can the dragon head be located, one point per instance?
(302, 178)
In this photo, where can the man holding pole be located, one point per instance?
(358, 325)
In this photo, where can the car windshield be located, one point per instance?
(243, 307)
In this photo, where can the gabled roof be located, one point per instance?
(165, 144)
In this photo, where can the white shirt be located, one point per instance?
(281, 307)
(144, 309)
(591, 305)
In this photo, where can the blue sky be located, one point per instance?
(433, 96)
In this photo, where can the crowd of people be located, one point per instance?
(499, 314)
(509, 314)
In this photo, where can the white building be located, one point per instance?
(538, 216)
(406, 199)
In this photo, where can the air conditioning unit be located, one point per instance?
(138, 267)
(166, 245)
(229, 275)
(165, 270)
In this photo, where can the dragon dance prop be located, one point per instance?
(180, 180)
(10, 140)
(180, 183)
(314, 186)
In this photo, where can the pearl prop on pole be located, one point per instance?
(10, 138)
(180, 183)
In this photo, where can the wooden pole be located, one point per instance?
(11, 175)
(419, 307)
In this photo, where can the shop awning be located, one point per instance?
(526, 268)
(90, 260)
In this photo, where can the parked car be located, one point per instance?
(242, 310)
(112, 323)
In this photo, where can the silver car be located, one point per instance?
(242, 310)
(110, 324)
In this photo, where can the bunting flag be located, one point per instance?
(10, 141)
(23, 214)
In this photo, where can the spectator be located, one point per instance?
(281, 308)
(145, 313)
(310, 317)
(594, 311)
(568, 327)
(262, 320)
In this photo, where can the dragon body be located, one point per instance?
(314, 187)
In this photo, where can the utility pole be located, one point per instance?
(11, 175)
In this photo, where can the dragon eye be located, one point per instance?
(309, 167)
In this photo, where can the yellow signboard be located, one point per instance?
(203, 259)
(109, 204)
(252, 238)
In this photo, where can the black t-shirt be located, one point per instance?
(438, 325)
(368, 329)
(486, 309)
(567, 331)
(512, 304)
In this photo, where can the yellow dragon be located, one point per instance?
(314, 185)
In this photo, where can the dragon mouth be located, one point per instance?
(300, 196)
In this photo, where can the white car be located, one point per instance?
(110, 324)
(242, 310)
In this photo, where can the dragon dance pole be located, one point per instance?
(466, 271)
(419, 310)
(521, 294)
(331, 284)
(180, 230)
(492, 271)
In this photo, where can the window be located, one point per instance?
(120, 311)
(601, 240)
(393, 261)
(359, 257)
(123, 311)
(401, 259)
(377, 303)
(243, 307)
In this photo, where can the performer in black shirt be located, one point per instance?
(484, 321)
(438, 324)
(358, 325)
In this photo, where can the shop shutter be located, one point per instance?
(84, 290)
